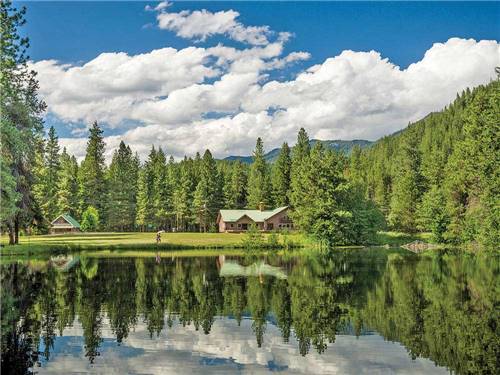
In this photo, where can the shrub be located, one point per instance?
(90, 219)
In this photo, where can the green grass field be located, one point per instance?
(140, 241)
(135, 240)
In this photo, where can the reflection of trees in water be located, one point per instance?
(442, 308)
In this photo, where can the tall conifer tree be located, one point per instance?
(259, 184)
(122, 194)
(21, 123)
(236, 186)
(92, 176)
(281, 177)
(51, 179)
(300, 161)
(208, 194)
(407, 186)
(67, 194)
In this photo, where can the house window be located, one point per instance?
(270, 226)
(231, 225)
(239, 225)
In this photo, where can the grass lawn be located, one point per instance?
(139, 241)
(134, 240)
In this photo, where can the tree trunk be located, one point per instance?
(16, 231)
(11, 235)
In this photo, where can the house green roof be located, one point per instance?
(69, 219)
(256, 215)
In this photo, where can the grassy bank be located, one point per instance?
(138, 241)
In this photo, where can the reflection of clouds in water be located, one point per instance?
(230, 349)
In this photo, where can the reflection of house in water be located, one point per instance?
(229, 268)
(64, 262)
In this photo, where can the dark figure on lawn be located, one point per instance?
(158, 237)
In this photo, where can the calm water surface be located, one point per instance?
(350, 312)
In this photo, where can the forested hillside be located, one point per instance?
(441, 174)
(336, 145)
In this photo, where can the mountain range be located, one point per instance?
(338, 145)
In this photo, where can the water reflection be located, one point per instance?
(327, 313)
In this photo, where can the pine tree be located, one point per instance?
(145, 193)
(67, 194)
(122, 182)
(236, 186)
(141, 217)
(161, 194)
(92, 174)
(259, 184)
(407, 187)
(51, 179)
(281, 177)
(183, 198)
(300, 160)
(21, 123)
(323, 211)
(171, 183)
(473, 174)
(208, 194)
(40, 175)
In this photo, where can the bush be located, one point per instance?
(253, 238)
(273, 241)
(90, 219)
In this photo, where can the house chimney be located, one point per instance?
(261, 206)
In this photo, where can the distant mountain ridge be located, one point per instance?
(337, 145)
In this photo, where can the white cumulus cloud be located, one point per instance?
(202, 24)
(222, 98)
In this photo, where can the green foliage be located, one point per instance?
(67, 194)
(145, 193)
(183, 196)
(208, 194)
(442, 173)
(92, 173)
(299, 171)
(90, 219)
(47, 176)
(122, 189)
(161, 194)
(253, 238)
(10, 197)
(235, 188)
(281, 177)
(273, 241)
(259, 184)
(330, 209)
(21, 123)
(432, 213)
(407, 188)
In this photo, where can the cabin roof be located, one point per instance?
(257, 216)
(68, 219)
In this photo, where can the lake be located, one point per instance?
(367, 311)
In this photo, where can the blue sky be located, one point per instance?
(75, 33)
(78, 31)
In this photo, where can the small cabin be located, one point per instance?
(264, 220)
(64, 224)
